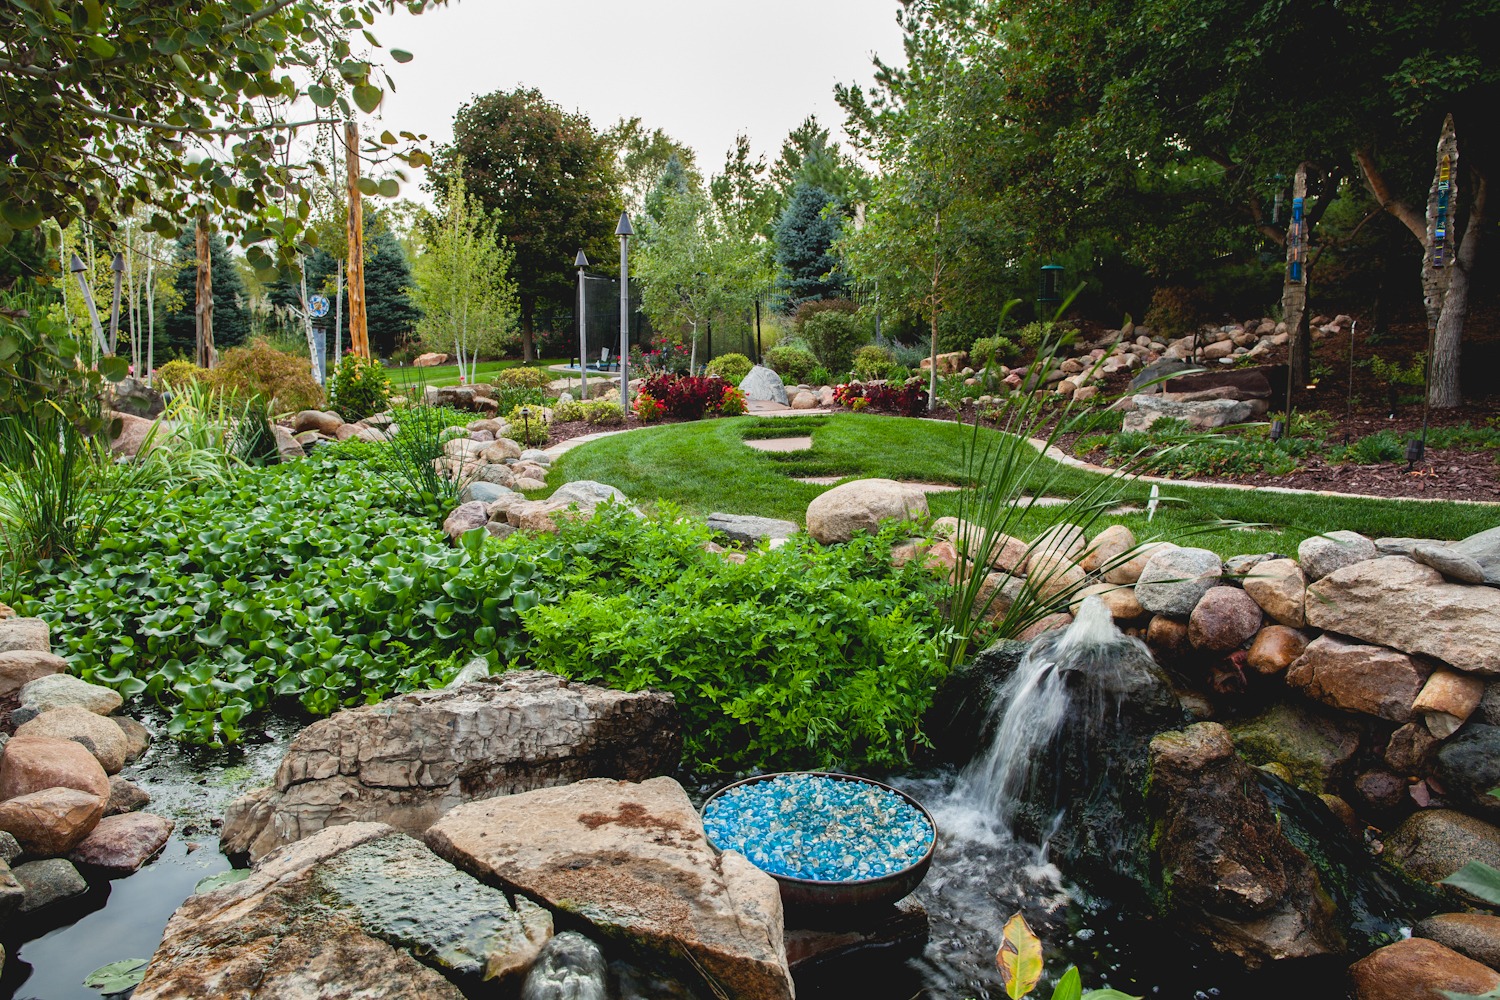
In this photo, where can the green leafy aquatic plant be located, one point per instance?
(1021, 962)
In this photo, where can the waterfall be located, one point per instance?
(1071, 680)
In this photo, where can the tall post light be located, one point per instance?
(581, 262)
(624, 231)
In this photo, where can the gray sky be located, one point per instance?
(703, 70)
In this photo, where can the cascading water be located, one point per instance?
(1073, 679)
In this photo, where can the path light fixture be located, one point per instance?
(118, 267)
(526, 423)
(624, 232)
(581, 262)
(78, 267)
(1278, 430)
(1416, 450)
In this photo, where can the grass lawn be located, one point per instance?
(705, 467)
(407, 378)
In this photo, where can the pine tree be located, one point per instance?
(805, 235)
(179, 337)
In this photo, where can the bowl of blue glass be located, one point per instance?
(829, 840)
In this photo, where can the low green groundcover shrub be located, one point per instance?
(801, 656)
(299, 585)
(792, 363)
(732, 368)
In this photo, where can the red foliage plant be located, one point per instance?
(688, 397)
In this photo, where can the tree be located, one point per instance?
(693, 264)
(388, 280)
(641, 157)
(462, 289)
(176, 105)
(231, 321)
(809, 157)
(549, 182)
(805, 235)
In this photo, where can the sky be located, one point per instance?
(702, 70)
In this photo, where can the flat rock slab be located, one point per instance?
(748, 530)
(346, 913)
(780, 444)
(1399, 603)
(632, 860)
(409, 760)
(121, 844)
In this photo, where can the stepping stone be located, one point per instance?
(781, 444)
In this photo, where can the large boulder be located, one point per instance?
(1419, 969)
(63, 690)
(1203, 415)
(134, 433)
(48, 881)
(119, 845)
(749, 530)
(1314, 745)
(860, 505)
(1475, 559)
(19, 667)
(587, 493)
(346, 913)
(1359, 678)
(764, 385)
(1226, 618)
(466, 517)
(409, 760)
(132, 396)
(32, 763)
(632, 861)
(1228, 868)
(1468, 767)
(322, 421)
(1280, 588)
(1399, 603)
(1434, 843)
(53, 820)
(97, 734)
(1473, 935)
(24, 634)
(1323, 554)
(1174, 580)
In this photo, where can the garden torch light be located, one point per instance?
(118, 267)
(78, 267)
(582, 262)
(624, 231)
(526, 423)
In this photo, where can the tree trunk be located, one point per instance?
(359, 336)
(338, 316)
(204, 312)
(1445, 390)
(528, 309)
(1294, 286)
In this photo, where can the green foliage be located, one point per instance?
(545, 176)
(523, 377)
(834, 336)
(284, 382)
(872, 362)
(1175, 312)
(511, 400)
(603, 413)
(1479, 879)
(118, 977)
(897, 373)
(360, 388)
(1034, 335)
(732, 368)
(408, 464)
(792, 363)
(565, 413)
(292, 582)
(44, 375)
(820, 376)
(1391, 372)
(802, 656)
(529, 432)
(1379, 448)
(467, 298)
(989, 351)
(176, 373)
(104, 102)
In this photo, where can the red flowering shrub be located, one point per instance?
(733, 404)
(688, 397)
(647, 409)
(909, 400)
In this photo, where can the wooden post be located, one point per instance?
(359, 337)
(205, 307)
